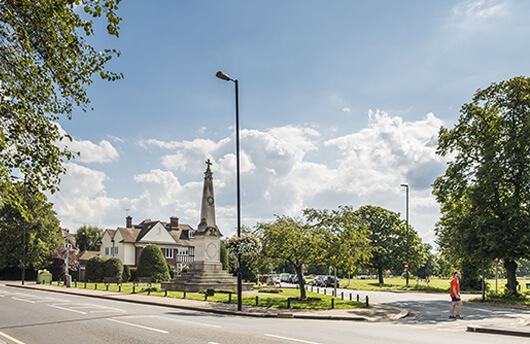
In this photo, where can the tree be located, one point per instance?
(43, 234)
(292, 240)
(152, 264)
(46, 65)
(113, 268)
(485, 191)
(346, 243)
(390, 241)
(88, 238)
(95, 270)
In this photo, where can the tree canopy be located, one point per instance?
(46, 65)
(485, 191)
(88, 238)
(392, 244)
(43, 234)
(293, 240)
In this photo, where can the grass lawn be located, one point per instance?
(438, 285)
(274, 300)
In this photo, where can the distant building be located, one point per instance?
(174, 239)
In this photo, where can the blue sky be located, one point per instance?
(340, 103)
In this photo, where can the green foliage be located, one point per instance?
(292, 240)
(391, 243)
(152, 264)
(485, 191)
(224, 256)
(43, 234)
(171, 271)
(134, 274)
(88, 238)
(95, 270)
(344, 238)
(126, 275)
(46, 65)
(113, 267)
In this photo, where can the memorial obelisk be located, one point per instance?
(206, 271)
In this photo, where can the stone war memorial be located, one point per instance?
(206, 271)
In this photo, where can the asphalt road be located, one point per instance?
(28, 316)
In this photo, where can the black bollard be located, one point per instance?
(357, 297)
(288, 303)
(107, 287)
(184, 296)
(95, 286)
(342, 295)
(134, 290)
(367, 304)
(257, 300)
(165, 293)
(332, 303)
(229, 297)
(350, 296)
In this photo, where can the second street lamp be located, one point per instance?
(406, 186)
(224, 76)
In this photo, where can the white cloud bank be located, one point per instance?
(283, 170)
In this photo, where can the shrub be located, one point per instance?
(134, 274)
(126, 275)
(172, 271)
(113, 267)
(152, 264)
(94, 269)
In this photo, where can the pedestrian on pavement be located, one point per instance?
(456, 300)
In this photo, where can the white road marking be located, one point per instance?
(291, 339)
(23, 300)
(67, 309)
(10, 338)
(186, 321)
(140, 326)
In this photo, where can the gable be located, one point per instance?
(157, 233)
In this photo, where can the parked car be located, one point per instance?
(329, 281)
(294, 279)
(285, 277)
(318, 281)
(273, 279)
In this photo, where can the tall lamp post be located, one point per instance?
(224, 76)
(406, 186)
(23, 272)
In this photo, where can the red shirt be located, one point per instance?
(455, 286)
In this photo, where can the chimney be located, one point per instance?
(128, 221)
(174, 223)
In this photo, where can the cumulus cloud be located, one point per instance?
(278, 175)
(346, 109)
(89, 152)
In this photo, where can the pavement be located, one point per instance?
(503, 320)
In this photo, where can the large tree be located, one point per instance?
(485, 191)
(391, 243)
(43, 234)
(346, 243)
(88, 238)
(293, 240)
(46, 64)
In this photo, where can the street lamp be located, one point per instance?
(406, 186)
(224, 76)
(23, 273)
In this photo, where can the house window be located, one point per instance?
(169, 253)
(114, 251)
(106, 251)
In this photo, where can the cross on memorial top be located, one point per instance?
(209, 163)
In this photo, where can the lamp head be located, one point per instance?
(404, 185)
(224, 76)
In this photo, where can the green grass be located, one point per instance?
(273, 300)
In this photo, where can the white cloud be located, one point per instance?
(278, 176)
(481, 9)
(346, 109)
(89, 152)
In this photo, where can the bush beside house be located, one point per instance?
(152, 264)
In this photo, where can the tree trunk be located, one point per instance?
(511, 268)
(301, 282)
(380, 273)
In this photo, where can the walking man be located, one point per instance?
(455, 296)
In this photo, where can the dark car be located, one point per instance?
(329, 281)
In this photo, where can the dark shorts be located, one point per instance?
(455, 299)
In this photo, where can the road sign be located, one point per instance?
(406, 266)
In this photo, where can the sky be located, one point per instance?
(340, 102)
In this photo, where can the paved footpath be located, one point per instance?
(401, 308)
